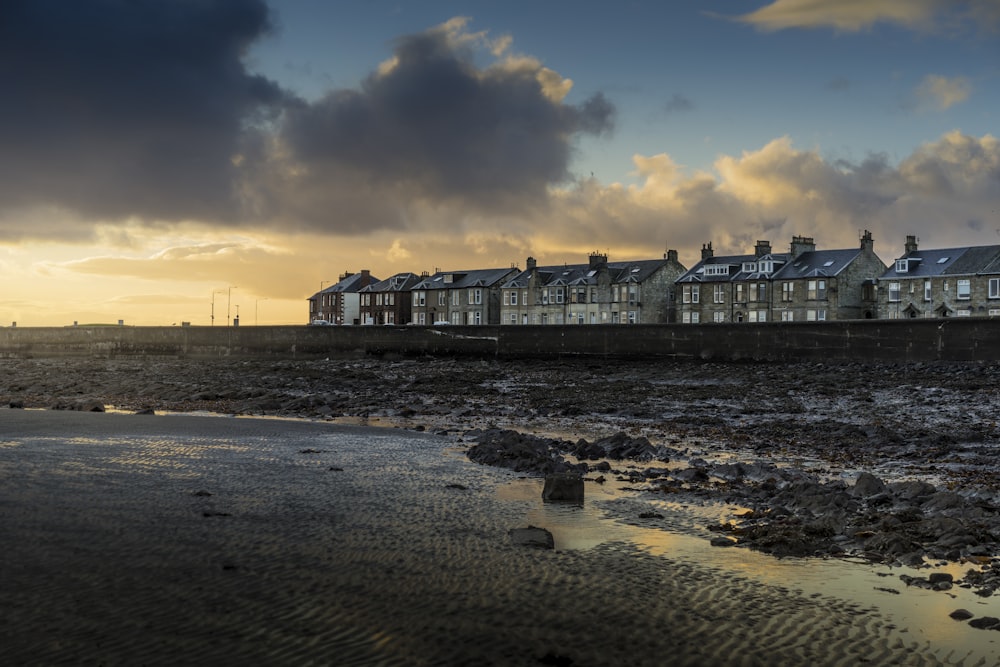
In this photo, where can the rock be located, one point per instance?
(961, 614)
(985, 622)
(938, 577)
(722, 542)
(867, 485)
(532, 536)
(16, 404)
(563, 487)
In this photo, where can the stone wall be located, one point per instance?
(859, 340)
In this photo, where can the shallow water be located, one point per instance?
(921, 614)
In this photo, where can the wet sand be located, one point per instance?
(142, 539)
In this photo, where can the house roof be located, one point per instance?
(463, 279)
(397, 283)
(352, 283)
(927, 263)
(710, 269)
(585, 274)
(817, 263)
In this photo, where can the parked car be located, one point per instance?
(321, 323)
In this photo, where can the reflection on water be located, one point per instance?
(922, 615)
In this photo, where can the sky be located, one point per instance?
(187, 160)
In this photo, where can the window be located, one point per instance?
(815, 315)
(719, 316)
(475, 297)
(689, 318)
(456, 317)
(513, 297)
(766, 266)
(390, 317)
(633, 293)
(964, 312)
(378, 299)
(927, 290)
(474, 317)
(757, 316)
(442, 298)
(593, 295)
(506, 297)
(418, 299)
(739, 293)
(787, 316)
(994, 288)
(750, 267)
(690, 293)
(513, 318)
(559, 295)
(902, 266)
(762, 292)
(994, 312)
(717, 270)
(787, 291)
(456, 297)
(631, 317)
(816, 289)
(964, 291)
(893, 292)
(719, 294)
(421, 318)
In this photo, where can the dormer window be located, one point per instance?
(716, 270)
(767, 266)
(750, 267)
(902, 266)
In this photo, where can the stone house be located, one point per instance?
(340, 303)
(817, 285)
(803, 284)
(388, 301)
(599, 292)
(941, 282)
(458, 297)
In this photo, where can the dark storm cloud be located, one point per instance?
(437, 127)
(115, 109)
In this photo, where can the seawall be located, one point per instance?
(883, 340)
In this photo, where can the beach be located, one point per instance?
(177, 539)
(327, 512)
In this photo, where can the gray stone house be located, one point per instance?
(817, 285)
(803, 284)
(599, 292)
(458, 297)
(941, 282)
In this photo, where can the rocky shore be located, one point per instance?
(889, 463)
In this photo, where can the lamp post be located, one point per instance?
(229, 298)
(256, 306)
(214, 292)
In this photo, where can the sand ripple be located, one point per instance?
(183, 540)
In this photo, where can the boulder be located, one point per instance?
(563, 487)
(867, 485)
(532, 536)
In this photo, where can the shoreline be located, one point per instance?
(380, 562)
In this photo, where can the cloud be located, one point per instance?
(941, 93)
(428, 126)
(856, 15)
(120, 109)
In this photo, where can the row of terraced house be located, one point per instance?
(800, 285)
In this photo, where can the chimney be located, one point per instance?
(867, 243)
(706, 250)
(801, 244)
(597, 259)
(911, 244)
(671, 255)
(762, 248)
(530, 264)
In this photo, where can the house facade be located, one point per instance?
(803, 284)
(599, 292)
(941, 282)
(458, 297)
(388, 301)
(340, 303)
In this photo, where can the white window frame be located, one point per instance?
(719, 316)
(963, 291)
(902, 266)
(719, 294)
(894, 293)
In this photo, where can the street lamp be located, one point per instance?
(214, 292)
(256, 306)
(229, 298)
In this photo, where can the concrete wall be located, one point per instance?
(886, 340)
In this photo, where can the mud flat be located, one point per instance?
(148, 539)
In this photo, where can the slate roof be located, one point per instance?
(585, 274)
(697, 273)
(817, 264)
(968, 260)
(397, 283)
(463, 279)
